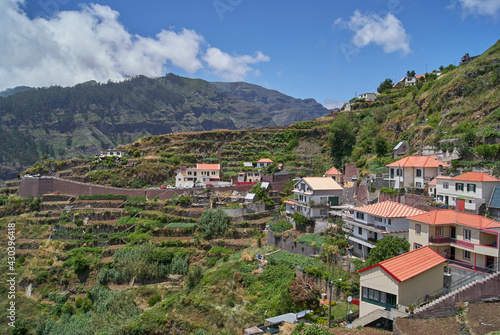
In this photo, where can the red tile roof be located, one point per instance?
(208, 166)
(290, 202)
(476, 176)
(418, 161)
(410, 264)
(332, 171)
(264, 160)
(449, 216)
(433, 182)
(390, 209)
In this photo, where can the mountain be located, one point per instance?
(88, 117)
(11, 91)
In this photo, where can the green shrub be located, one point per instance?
(154, 300)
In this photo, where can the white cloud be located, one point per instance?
(480, 7)
(332, 103)
(338, 21)
(232, 68)
(91, 44)
(387, 32)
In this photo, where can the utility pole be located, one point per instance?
(330, 303)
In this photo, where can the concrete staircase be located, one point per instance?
(377, 314)
(470, 292)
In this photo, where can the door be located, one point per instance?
(334, 201)
(460, 204)
(391, 301)
(452, 253)
(453, 232)
(446, 199)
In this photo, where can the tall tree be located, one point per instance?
(386, 248)
(385, 85)
(305, 294)
(341, 138)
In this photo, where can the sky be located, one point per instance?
(326, 50)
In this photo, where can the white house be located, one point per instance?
(264, 162)
(202, 175)
(313, 197)
(400, 281)
(369, 97)
(414, 171)
(371, 223)
(466, 192)
(111, 153)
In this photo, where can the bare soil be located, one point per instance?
(483, 318)
(436, 326)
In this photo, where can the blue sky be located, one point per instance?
(326, 50)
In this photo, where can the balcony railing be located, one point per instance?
(462, 243)
(439, 239)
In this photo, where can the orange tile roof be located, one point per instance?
(333, 170)
(264, 160)
(390, 209)
(433, 182)
(476, 176)
(290, 202)
(418, 161)
(449, 216)
(410, 264)
(208, 166)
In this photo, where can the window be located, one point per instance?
(418, 184)
(459, 186)
(418, 229)
(416, 246)
(446, 185)
(471, 188)
(466, 254)
(399, 172)
(440, 198)
(360, 231)
(419, 173)
(392, 173)
(439, 231)
(213, 173)
(189, 173)
(360, 215)
(389, 222)
(467, 234)
(378, 219)
(360, 246)
(378, 297)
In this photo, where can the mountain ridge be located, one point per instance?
(85, 118)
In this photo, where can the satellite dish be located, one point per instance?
(349, 298)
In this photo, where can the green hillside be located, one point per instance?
(62, 122)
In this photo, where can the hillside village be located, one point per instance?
(237, 231)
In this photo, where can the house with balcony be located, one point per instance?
(371, 223)
(400, 281)
(335, 174)
(313, 196)
(467, 240)
(414, 171)
(201, 175)
(470, 191)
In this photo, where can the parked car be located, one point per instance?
(163, 187)
(209, 185)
